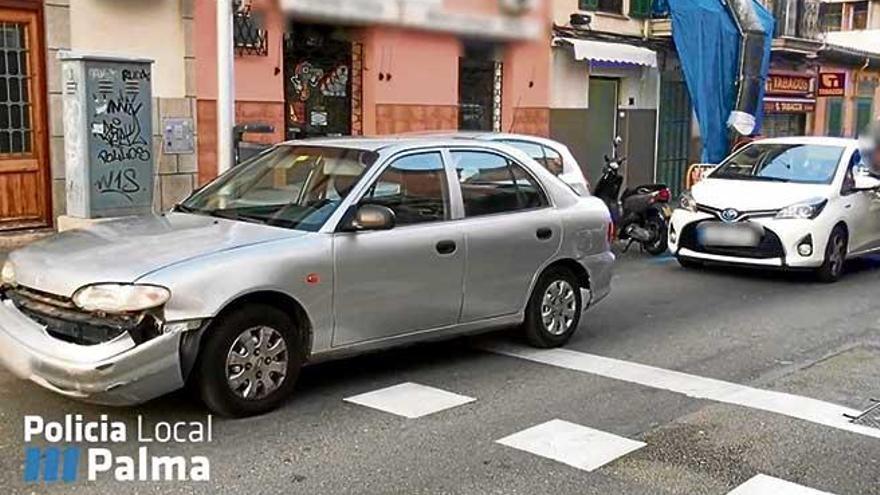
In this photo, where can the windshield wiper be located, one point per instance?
(234, 215)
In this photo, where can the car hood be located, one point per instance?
(751, 195)
(125, 250)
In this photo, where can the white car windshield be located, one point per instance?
(777, 162)
(296, 187)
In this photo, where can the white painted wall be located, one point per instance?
(570, 83)
(138, 28)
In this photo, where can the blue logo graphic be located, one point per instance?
(54, 463)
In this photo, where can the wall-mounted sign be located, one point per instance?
(789, 85)
(832, 83)
(517, 7)
(430, 15)
(793, 105)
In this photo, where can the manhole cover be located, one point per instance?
(871, 417)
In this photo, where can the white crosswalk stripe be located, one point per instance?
(410, 400)
(768, 485)
(794, 406)
(572, 444)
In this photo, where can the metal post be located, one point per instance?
(225, 85)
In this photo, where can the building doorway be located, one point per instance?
(479, 89)
(317, 81)
(24, 165)
(601, 125)
(674, 139)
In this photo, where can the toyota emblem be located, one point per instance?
(729, 215)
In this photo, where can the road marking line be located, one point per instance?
(571, 444)
(763, 484)
(410, 400)
(794, 406)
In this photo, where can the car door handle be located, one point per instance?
(446, 247)
(544, 233)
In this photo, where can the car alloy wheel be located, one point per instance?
(256, 364)
(558, 307)
(837, 255)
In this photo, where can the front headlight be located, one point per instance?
(7, 276)
(120, 298)
(806, 210)
(686, 202)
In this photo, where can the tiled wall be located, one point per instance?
(176, 175)
(396, 119)
(533, 121)
(245, 111)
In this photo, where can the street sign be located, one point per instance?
(832, 83)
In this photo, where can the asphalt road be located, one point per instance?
(768, 331)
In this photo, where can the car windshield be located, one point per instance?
(777, 162)
(296, 187)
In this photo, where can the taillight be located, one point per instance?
(611, 233)
(664, 195)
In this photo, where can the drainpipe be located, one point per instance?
(225, 86)
(751, 58)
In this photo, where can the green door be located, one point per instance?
(601, 126)
(674, 134)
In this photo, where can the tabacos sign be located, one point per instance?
(832, 84)
(789, 85)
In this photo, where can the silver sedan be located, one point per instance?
(314, 250)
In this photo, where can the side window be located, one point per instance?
(414, 187)
(492, 184)
(553, 162)
(535, 151)
(854, 167)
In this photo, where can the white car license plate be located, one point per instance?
(730, 234)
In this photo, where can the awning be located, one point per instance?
(603, 51)
(863, 41)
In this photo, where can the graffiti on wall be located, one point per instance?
(119, 132)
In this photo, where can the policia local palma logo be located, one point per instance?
(61, 451)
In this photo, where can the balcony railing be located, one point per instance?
(795, 18)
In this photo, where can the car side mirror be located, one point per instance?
(865, 183)
(371, 217)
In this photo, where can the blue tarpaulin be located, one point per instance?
(708, 44)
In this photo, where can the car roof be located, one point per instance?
(390, 143)
(814, 140)
(483, 136)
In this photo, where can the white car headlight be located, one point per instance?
(806, 210)
(7, 276)
(686, 202)
(120, 298)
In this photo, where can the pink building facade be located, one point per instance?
(383, 67)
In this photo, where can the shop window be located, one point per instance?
(831, 16)
(640, 9)
(609, 6)
(860, 16)
(834, 123)
(784, 124)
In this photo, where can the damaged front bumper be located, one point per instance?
(117, 372)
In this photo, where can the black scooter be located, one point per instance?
(641, 214)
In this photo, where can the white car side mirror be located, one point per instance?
(866, 183)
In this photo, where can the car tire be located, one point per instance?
(835, 257)
(689, 263)
(657, 225)
(554, 309)
(232, 377)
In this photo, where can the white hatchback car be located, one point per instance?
(792, 203)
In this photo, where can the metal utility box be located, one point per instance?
(108, 135)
